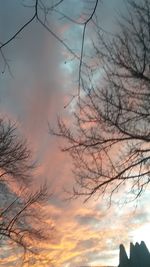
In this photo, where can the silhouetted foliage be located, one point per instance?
(139, 256)
(109, 142)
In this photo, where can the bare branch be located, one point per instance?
(40, 5)
(22, 217)
(110, 143)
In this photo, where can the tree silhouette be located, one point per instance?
(21, 213)
(110, 141)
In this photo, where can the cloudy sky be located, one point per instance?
(42, 80)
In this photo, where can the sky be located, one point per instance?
(42, 81)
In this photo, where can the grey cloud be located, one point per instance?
(99, 256)
(87, 244)
(87, 219)
(141, 217)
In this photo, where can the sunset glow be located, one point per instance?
(44, 85)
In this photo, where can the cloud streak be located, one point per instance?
(85, 233)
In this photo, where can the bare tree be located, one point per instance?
(22, 219)
(110, 141)
(42, 11)
(14, 155)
